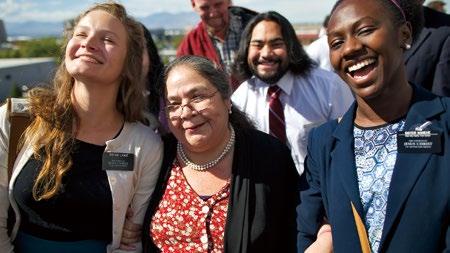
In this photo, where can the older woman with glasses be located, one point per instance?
(224, 186)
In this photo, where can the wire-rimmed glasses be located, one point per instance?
(198, 104)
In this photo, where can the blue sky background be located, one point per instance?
(58, 10)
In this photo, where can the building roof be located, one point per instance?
(14, 62)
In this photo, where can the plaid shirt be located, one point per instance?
(227, 49)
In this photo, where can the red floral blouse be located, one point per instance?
(184, 222)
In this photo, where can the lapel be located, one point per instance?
(237, 227)
(417, 44)
(343, 158)
(22, 158)
(409, 167)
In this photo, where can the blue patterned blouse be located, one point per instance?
(375, 155)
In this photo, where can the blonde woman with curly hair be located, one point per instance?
(86, 156)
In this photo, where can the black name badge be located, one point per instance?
(118, 161)
(419, 142)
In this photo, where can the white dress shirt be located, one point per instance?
(308, 101)
(319, 51)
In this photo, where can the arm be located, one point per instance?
(150, 163)
(310, 211)
(292, 187)
(131, 233)
(5, 242)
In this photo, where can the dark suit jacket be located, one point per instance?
(264, 194)
(435, 19)
(418, 209)
(428, 61)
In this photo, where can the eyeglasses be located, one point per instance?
(198, 104)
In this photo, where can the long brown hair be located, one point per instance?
(54, 118)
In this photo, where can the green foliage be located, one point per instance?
(176, 40)
(44, 47)
(16, 91)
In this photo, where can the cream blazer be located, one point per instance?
(132, 188)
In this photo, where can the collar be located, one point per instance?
(424, 105)
(123, 137)
(235, 23)
(286, 83)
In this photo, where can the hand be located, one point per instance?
(131, 232)
(324, 241)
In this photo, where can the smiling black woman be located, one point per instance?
(376, 173)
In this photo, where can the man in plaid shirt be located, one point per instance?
(217, 35)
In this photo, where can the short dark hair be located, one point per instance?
(299, 61)
(414, 15)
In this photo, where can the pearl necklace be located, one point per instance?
(206, 166)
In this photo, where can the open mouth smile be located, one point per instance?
(362, 69)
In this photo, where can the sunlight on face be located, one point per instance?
(98, 48)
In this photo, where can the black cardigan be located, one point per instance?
(264, 193)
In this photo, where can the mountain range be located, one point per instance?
(159, 20)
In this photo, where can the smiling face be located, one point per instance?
(98, 48)
(267, 54)
(198, 131)
(366, 46)
(214, 13)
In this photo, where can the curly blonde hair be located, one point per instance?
(54, 118)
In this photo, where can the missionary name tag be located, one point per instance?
(419, 142)
(118, 161)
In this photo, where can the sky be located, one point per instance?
(59, 10)
(54, 10)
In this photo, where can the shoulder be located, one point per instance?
(321, 80)
(196, 30)
(324, 131)
(243, 87)
(242, 12)
(4, 124)
(318, 45)
(438, 35)
(435, 18)
(446, 104)
(240, 94)
(140, 133)
(322, 75)
(18, 106)
(194, 33)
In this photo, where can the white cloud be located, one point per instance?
(294, 10)
(58, 10)
(52, 16)
(11, 7)
(141, 8)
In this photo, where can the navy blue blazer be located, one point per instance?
(418, 209)
(428, 61)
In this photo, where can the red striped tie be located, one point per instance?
(276, 116)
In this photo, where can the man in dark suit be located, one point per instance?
(428, 60)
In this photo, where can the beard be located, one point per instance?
(269, 78)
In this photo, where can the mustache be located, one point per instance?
(268, 60)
